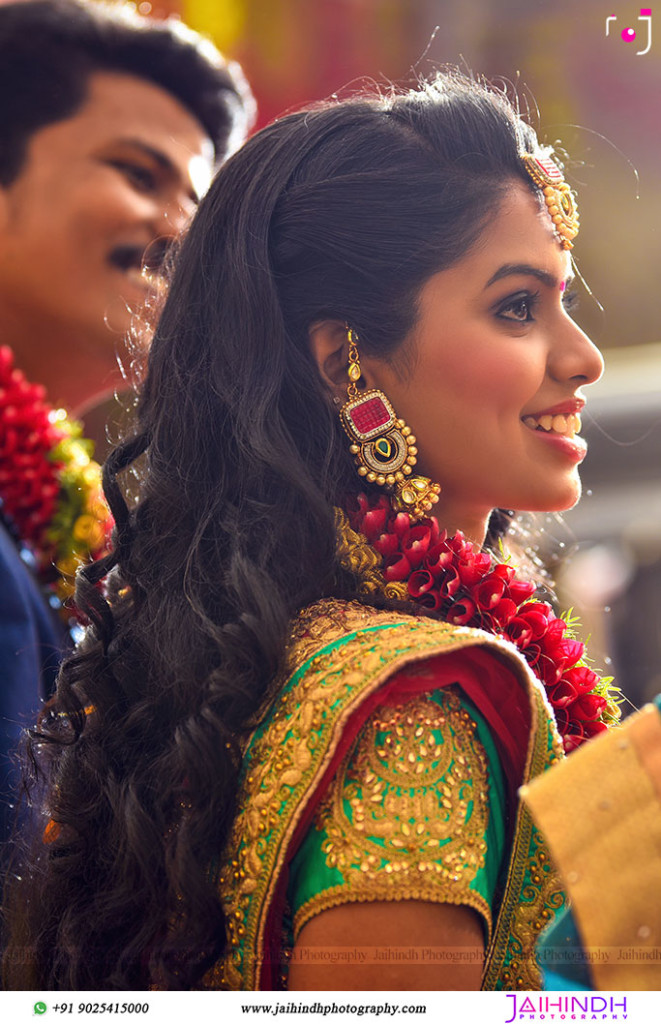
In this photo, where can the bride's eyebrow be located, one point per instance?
(527, 269)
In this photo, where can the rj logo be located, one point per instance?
(629, 34)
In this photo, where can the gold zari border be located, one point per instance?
(339, 894)
(533, 891)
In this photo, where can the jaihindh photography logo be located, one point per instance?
(618, 30)
(575, 1007)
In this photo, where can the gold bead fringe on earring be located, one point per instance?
(382, 444)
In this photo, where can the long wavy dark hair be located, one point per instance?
(341, 211)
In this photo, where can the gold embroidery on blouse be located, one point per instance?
(407, 812)
(328, 619)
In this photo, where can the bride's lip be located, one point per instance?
(559, 426)
(566, 408)
(574, 448)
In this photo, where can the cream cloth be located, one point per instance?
(600, 812)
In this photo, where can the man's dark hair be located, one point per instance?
(49, 49)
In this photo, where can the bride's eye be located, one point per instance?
(570, 301)
(519, 308)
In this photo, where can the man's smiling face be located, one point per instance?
(97, 190)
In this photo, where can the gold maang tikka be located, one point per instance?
(382, 445)
(559, 198)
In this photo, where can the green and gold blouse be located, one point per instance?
(416, 811)
(387, 768)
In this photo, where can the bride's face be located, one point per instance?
(494, 371)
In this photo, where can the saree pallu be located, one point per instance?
(601, 812)
(349, 671)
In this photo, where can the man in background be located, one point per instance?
(111, 126)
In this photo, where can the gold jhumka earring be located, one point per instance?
(382, 445)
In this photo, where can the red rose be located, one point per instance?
(459, 545)
(432, 600)
(536, 615)
(583, 679)
(591, 729)
(555, 644)
(519, 631)
(438, 559)
(450, 583)
(520, 590)
(489, 592)
(396, 568)
(401, 524)
(373, 523)
(589, 707)
(505, 572)
(473, 569)
(387, 544)
(562, 694)
(435, 533)
(420, 583)
(461, 612)
(416, 544)
(570, 651)
(503, 613)
(357, 507)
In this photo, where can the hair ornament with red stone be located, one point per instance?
(383, 445)
(558, 196)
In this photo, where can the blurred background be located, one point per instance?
(600, 96)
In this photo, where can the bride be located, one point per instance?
(314, 680)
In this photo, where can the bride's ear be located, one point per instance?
(329, 345)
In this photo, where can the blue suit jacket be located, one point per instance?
(32, 640)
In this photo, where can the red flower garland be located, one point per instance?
(28, 479)
(50, 488)
(468, 588)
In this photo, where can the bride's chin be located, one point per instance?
(565, 502)
(559, 499)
